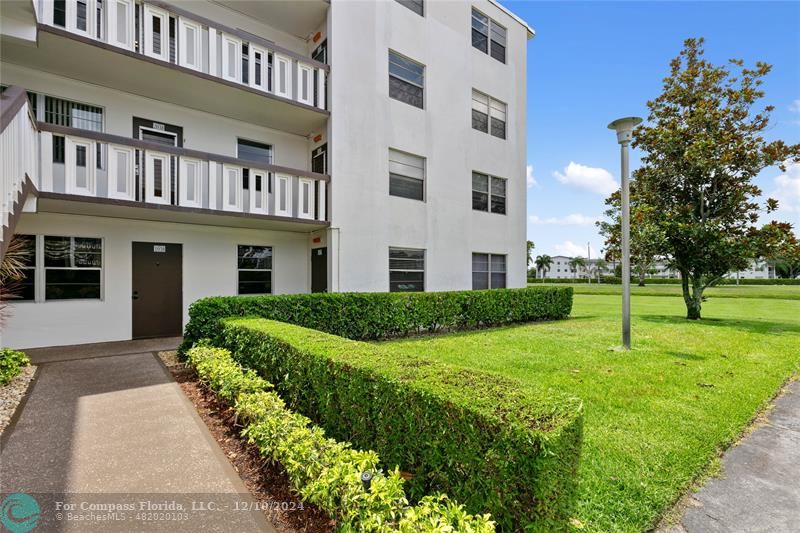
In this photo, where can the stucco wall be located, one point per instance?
(365, 123)
(209, 269)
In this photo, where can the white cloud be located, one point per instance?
(794, 107)
(570, 249)
(787, 191)
(575, 219)
(531, 180)
(594, 179)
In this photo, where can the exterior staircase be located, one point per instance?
(18, 160)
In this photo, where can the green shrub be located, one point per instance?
(488, 441)
(325, 472)
(11, 362)
(363, 316)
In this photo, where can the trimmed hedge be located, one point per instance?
(363, 316)
(11, 363)
(490, 442)
(611, 280)
(325, 472)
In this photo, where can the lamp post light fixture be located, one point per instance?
(624, 128)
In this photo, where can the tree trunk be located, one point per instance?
(693, 299)
(641, 277)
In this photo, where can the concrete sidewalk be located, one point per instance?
(117, 433)
(760, 487)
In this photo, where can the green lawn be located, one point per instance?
(783, 292)
(655, 417)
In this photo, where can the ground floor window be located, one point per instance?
(25, 288)
(488, 271)
(72, 268)
(406, 270)
(254, 264)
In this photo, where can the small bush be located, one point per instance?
(326, 472)
(363, 316)
(11, 362)
(488, 441)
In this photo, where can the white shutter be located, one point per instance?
(189, 47)
(283, 76)
(321, 88)
(232, 188)
(80, 167)
(283, 195)
(158, 177)
(305, 201)
(120, 172)
(156, 33)
(80, 15)
(305, 84)
(119, 23)
(191, 188)
(231, 58)
(258, 68)
(258, 191)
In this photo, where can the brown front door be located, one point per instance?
(319, 270)
(157, 290)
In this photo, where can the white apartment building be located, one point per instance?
(169, 151)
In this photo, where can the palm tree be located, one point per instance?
(11, 273)
(600, 266)
(543, 263)
(575, 263)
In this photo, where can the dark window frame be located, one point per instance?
(72, 268)
(254, 269)
(406, 254)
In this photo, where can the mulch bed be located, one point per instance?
(265, 480)
(11, 394)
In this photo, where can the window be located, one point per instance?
(417, 6)
(488, 193)
(406, 175)
(488, 114)
(60, 13)
(488, 271)
(72, 268)
(488, 36)
(73, 114)
(254, 151)
(25, 288)
(406, 270)
(406, 80)
(254, 264)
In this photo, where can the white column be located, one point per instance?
(212, 185)
(212, 51)
(46, 161)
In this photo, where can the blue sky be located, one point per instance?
(592, 62)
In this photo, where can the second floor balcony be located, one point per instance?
(163, 51)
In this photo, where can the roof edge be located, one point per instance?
(531, 31)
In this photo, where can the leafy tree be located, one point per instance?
(702, 148)
(575, 263)
(646, 236)
(781, 249)
(531, 246)
(543, 263)
(600, 266)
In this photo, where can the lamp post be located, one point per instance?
(624, 128)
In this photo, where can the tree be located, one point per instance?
(646, 236)
(600, 266)
(702, 148)
(780, 248)
(531, 246)
(543, 263)
(575, 263)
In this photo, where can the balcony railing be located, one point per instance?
(100, 165)
(18, 158)
(169, 34)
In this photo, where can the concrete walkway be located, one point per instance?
(760, 487)
(116, 433)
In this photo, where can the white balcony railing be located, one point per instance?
(18, 151)
(99, 165)
(169, 34)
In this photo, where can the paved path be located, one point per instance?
(118, 430)
(760, 487)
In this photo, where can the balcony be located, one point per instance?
(161, 51)
(92, 173)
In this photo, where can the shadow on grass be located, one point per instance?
(752, 326)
